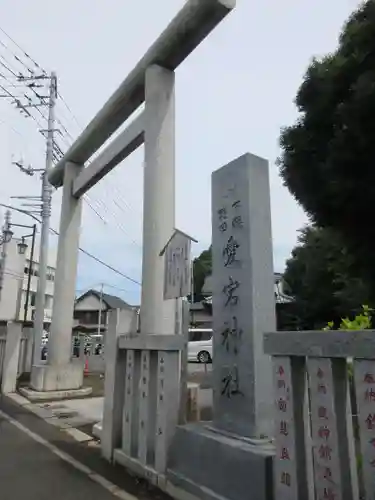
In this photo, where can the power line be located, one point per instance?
(85, 252)
(6, 66)
(86, 200)
(57, 152)
(22, 50)
(69, 109)
(116, 288)
(41, 99)
(15, 57)
(108, 266)
(96, 285)
(87, 288)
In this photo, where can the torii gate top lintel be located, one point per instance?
(185, 32)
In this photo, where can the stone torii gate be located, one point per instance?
(151, 81)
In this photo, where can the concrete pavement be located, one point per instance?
(92, 408)
(39, 462)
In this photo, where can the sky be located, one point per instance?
(233, 95)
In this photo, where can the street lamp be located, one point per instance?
(6, 235)
(5, 238)
(22, 246)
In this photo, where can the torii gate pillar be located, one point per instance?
(152, 82)
(158, 315)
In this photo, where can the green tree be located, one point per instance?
(202, 267)
(320, 275)
(327, 159)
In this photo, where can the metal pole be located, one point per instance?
(26, 306)
(100, 309)
(192, 283)
(46, 215)
(6, 237)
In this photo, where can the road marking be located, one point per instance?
(97, 478)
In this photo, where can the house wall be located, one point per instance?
(33, 268)
(12, 279)
(17, 269)
(90, 303)
(86, 312)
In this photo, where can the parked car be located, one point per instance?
(200, 345)
(44, 352)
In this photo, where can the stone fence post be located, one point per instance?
(12, 353)
(120, 322)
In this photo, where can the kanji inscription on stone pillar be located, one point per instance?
(285, 473)
(364, 377)
(324, 430)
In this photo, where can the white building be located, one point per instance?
(15, 283)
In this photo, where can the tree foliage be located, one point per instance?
(320, 275)
(328, 155)
(202, 267)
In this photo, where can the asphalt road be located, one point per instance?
(29, 470)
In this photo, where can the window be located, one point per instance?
(32, 299)
(86, 317)
(92, 317)
(26, 270)
(50, 274)
(199, 335)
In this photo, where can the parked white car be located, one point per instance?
(200, 345)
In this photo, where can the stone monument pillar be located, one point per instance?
(231, 457)
(243, 297)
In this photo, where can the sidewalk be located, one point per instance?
(29, 470)
(39, 462)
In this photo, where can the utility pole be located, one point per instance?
(4, 240)
(192, 298)
(46, 215)
(100, 309)
(42, 204)
(31, 260)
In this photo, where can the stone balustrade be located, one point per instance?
(318, 455)
(142, 398)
